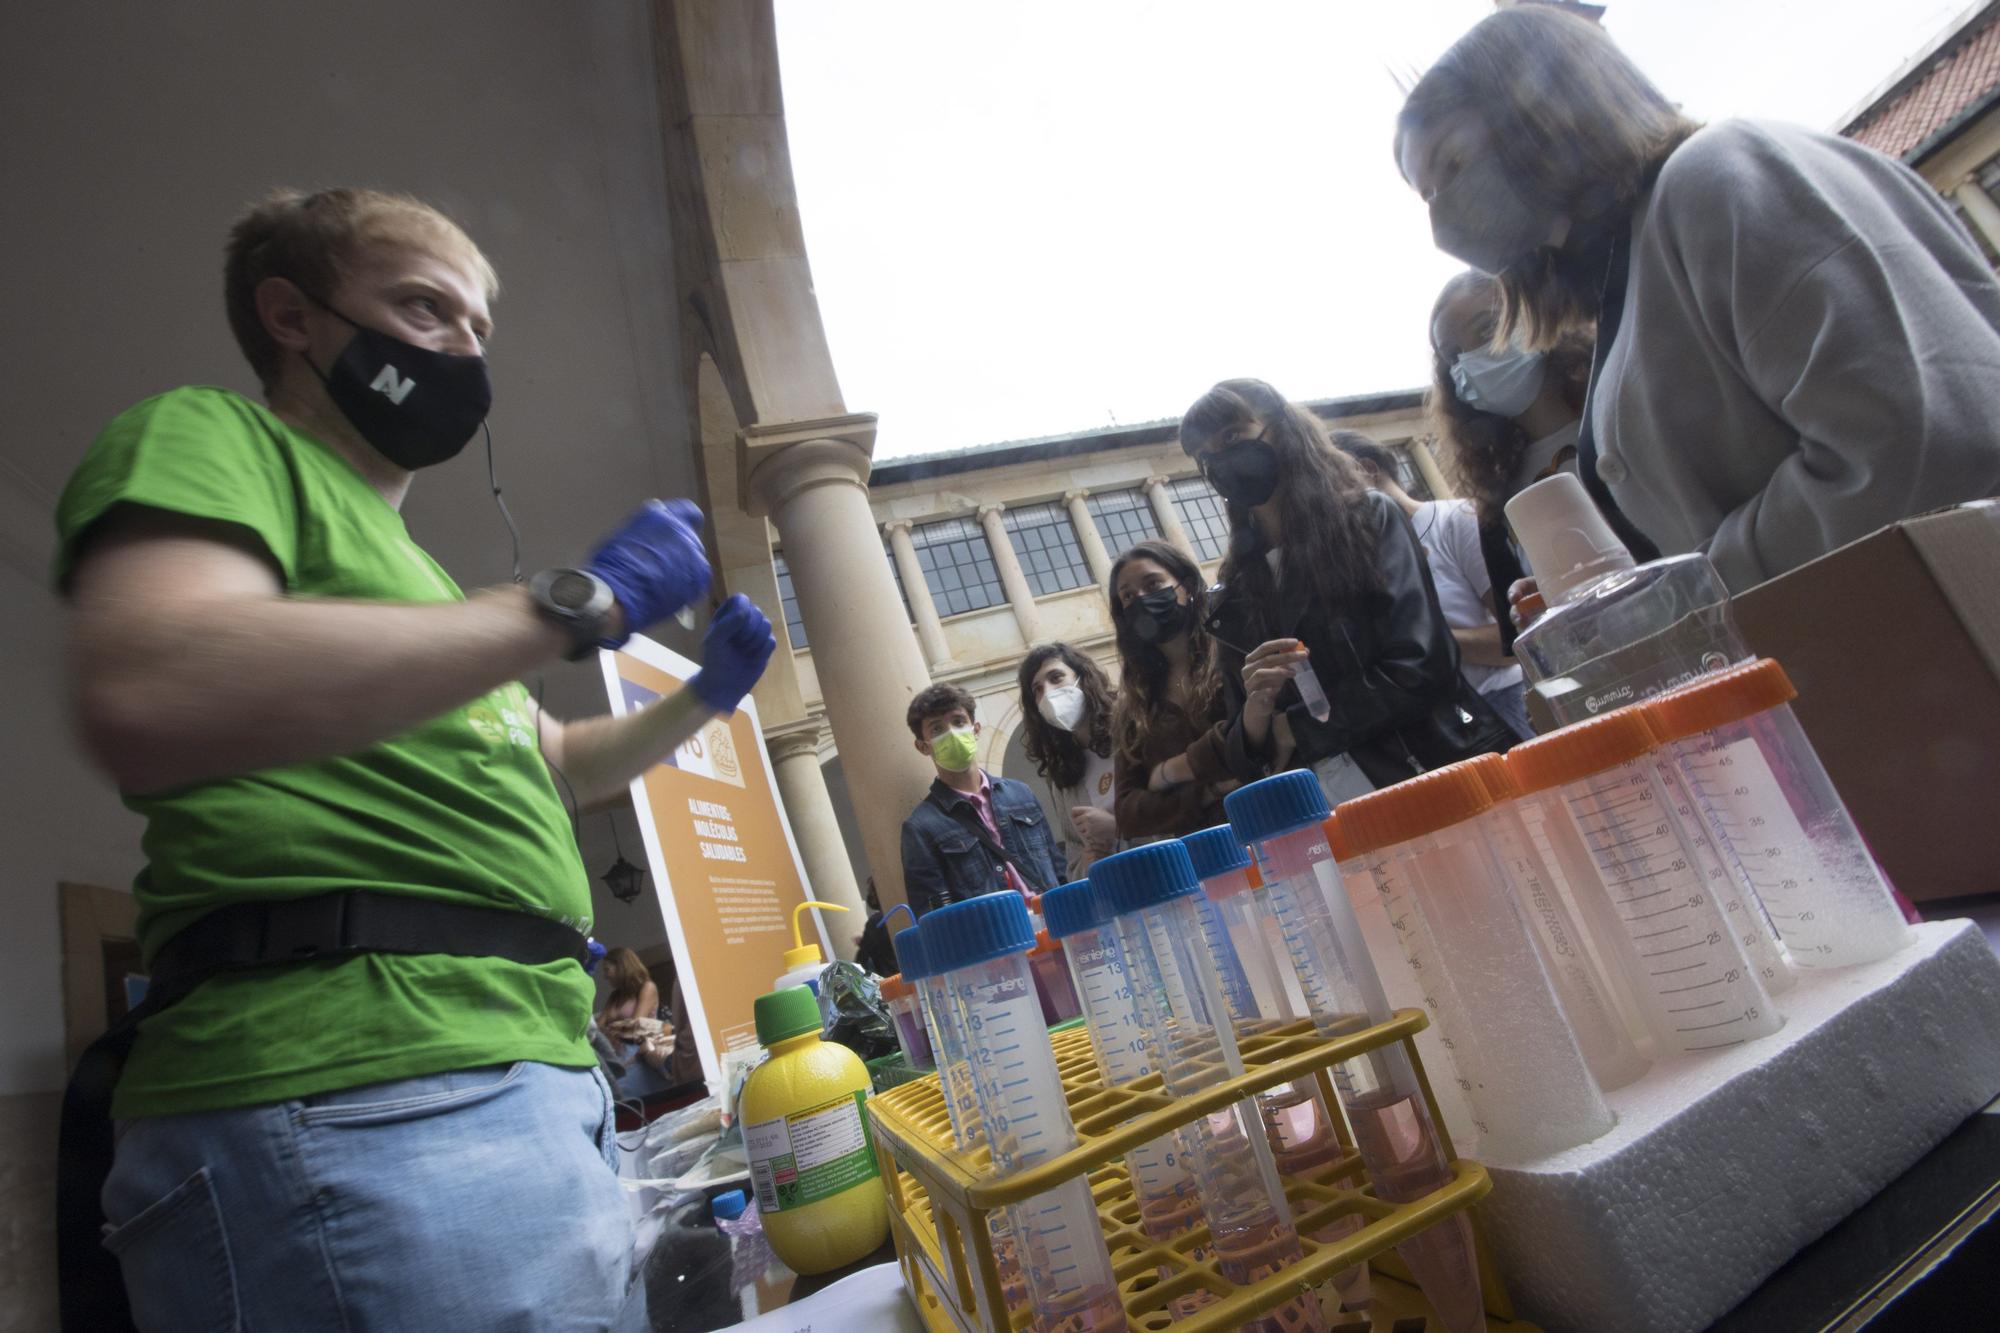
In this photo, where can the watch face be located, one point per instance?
(571, 591)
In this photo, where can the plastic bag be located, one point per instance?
(857, 1017)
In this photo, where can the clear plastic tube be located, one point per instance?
(1773, 808)
(1740, 903)
(1378, 1090)
(1297, 1121)
(1250, 1224)
(1021, 1103)
(1310, 693)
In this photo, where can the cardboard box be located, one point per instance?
(1894, 644)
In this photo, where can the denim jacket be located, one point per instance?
(945, 854)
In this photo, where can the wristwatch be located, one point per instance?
(577, 600)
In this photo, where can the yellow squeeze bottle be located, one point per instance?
(812, 1159)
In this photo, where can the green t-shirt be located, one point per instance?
(461, 808)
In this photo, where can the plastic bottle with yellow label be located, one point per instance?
(812, 1160)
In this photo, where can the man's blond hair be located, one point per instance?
(312, 239)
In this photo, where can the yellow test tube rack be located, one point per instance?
(939, 1199)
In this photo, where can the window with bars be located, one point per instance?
(958, 566)
(1045, 543)
(1407, 475)
(1123, 518)
(788, 596)
(1202, 515)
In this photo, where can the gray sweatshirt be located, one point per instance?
(1810, 349)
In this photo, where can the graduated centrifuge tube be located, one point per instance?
(961, 1105)
(1681, 930)
(1310, 693)
(1770, 804)
(1161, 1171)
(1281, 819)
(1297, 1121)
(1154, 899)
(979, 948)
(1537, 1095)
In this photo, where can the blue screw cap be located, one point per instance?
(992, 925)
(1276, 805)
(1216, 851)
(1156, 873)
(909, 946)
(1073, 909)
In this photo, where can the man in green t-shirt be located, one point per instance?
(410, 1129)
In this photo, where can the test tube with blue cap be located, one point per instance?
(1161, 1173)
(1281, 819)
(961, 1105)
(1297, 1120)
(978, 949)
(1153, 897)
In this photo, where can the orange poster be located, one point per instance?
(727, 872)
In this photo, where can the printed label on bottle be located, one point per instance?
(810, 1155)
(1693, 646)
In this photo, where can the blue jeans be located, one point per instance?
(478, 1199)
(1511, 704)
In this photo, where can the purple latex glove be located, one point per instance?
(654, 564)
(733, 653)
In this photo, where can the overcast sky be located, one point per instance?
(1035, 217)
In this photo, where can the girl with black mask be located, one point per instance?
(1177, 745)
(1317, 557)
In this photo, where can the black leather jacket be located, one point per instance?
(1387, 662)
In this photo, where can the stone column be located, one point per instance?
(1019, 595)
(810, 478)
(802, 787)
(1168, 517)
(1427, 468)
(1086, 535)
(923, 610)
(1979, 208)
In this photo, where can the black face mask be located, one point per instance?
(1245, 474)
(416, 406)
(1158, 616)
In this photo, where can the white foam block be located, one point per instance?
(1723, 1166)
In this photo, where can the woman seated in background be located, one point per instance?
(1066, 706)
(1317, 558)
(1796, 342)
(638, 1041)
(1172, 733)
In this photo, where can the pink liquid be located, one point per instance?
(1303, 1141)
(1401, 1150)
(1162, 1220)
(1245, 1258)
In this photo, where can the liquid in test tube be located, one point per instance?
(1770, 803)
(1281, 819)
(1612, 820)
(979, 948)
(961, 1105)
(1155, 899)
(1310, 693)
(1162, 1179)
(1297, 1120)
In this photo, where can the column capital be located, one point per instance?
(795, 739)
(776, 460)
(895, 525)
(1156, 481)
(1071, 497)
(991, 507)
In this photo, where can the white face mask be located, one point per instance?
(1062, 706)
(1503, 384)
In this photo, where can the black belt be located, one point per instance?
(326, 927)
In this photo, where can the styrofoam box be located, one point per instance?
(1725, 1165)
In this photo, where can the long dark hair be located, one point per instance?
(1482, 449)
(1144, 690)
(1057, 754)
(1576, 126)
(1328, 539)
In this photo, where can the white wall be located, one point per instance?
(137, 132)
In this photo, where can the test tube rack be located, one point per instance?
(939, 1199)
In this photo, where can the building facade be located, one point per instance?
(1000, 547)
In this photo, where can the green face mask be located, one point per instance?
(954, 750)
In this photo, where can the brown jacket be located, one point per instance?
(1188, 808)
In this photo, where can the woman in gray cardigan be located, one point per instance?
(1797, 342)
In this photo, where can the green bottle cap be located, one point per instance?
(791, 1012)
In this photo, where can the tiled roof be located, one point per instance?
(1953, 82)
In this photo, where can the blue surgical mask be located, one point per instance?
(1503, 384)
